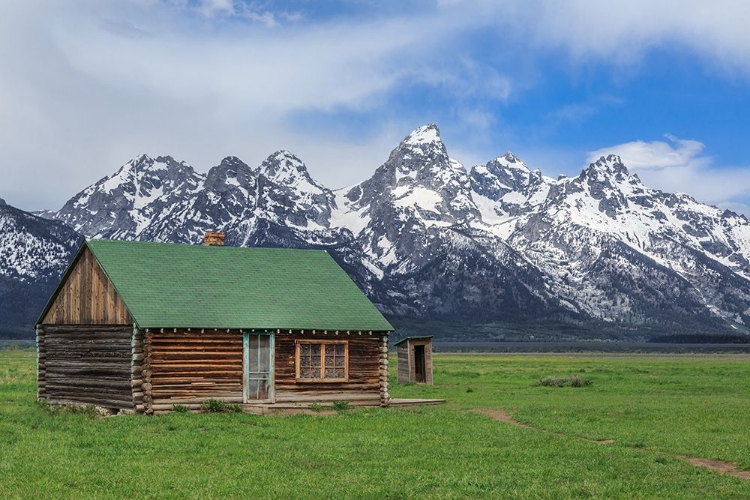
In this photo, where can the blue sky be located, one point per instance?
(86, 85)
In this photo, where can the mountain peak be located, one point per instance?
(611, 164)
(283, 166)
(511, 158)
(426, 134)
(231, 161)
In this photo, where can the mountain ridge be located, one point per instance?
(425, 237)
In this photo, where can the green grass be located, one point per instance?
(655, 408)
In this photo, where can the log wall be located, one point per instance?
(87, 297)
(89, 364)
(188, 367)
(364, 385)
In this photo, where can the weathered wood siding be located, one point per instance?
(364, 386)
(87, 297)
(90, 364)
(403, 364)
(407, 363)
(188, 367)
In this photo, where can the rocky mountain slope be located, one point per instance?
(34, 252)
(597, 255)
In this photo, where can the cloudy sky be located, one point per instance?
(86, 85)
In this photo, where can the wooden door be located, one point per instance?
(258, 361)
(419, 364)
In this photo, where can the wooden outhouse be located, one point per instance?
(415, 360)
(144, 326)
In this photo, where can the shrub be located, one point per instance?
(569, 381)
(217, 406)
(180, 408)
(340, 405)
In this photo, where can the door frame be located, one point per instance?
(271, 389)
(420, 361)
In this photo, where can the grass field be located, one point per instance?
(655, 408)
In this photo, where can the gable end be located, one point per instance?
(86, 296)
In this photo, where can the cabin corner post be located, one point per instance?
(41, 371)
(136, 369)
(383, 370)
(148, 401)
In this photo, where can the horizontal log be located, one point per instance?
(208, 365)
(94, 391)
(162, 342)
(319, 398)
(63, 329)
(105, 403)
(166, 408)
(98, 337)
(163, 403)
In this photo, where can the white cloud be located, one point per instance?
(85, 85)
(656, 155)
(621, 32)
(681, 166)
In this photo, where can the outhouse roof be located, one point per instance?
(183, 286)
(422, 337)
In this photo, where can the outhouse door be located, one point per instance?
(258, 362)
(420, 374)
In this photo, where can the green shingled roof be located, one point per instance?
(181, 286)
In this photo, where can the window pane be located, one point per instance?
(338, 373)
(330, 373)
(340, 349)
(329, 356)
(304, 349)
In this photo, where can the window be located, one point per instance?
(322, 360)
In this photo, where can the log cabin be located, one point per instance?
(142, 327)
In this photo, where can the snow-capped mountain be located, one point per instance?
(34, 252)
(630, 253)
(122, 205)
(425, 238)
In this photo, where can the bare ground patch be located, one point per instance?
(503, 416)
(728, 468)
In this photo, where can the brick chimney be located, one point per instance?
(213, 239)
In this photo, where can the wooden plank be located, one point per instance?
(87, 297)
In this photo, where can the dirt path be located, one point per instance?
(728, 468)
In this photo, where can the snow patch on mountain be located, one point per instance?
(427, 238)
